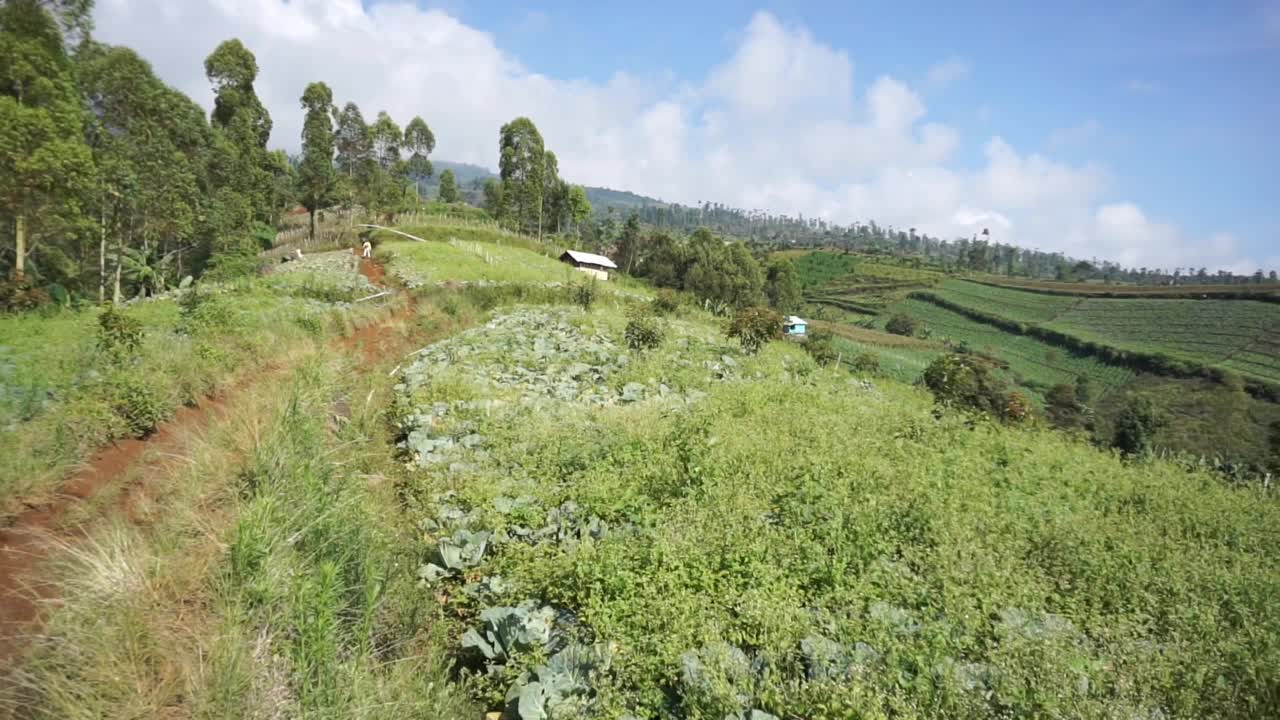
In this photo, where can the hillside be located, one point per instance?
(493, 512)
(1180, 347)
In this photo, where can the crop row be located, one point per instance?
(1036, 363)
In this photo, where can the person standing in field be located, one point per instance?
(368, 249)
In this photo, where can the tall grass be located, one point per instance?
(65, 396)
(275, 583)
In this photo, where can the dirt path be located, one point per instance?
(36, 534)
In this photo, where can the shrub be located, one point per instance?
(970, 381)
(19, 295)
(137, 403)
(119, 335)
(865, 363)
(820, 347)
(755, 326)
(902, 325)
(665, 302)
(584, 293)
(1136, 425)
(643, 332)
(1063, 406)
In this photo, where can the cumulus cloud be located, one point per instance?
(781, 124)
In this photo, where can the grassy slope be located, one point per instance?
(872, 558)
(988, 570)
(64, 397)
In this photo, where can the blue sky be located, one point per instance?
(1134, 131)
(1179, 100)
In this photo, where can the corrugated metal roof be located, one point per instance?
(793, 320)
(590, 258)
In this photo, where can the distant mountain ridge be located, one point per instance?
(470, 178)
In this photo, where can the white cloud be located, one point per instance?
(947, 72)
(778, 125)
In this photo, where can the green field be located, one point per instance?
(1240, 335)
(857, 283)
(1036, 364)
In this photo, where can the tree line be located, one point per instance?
(529, 195)
(978, 253)
(113, 183)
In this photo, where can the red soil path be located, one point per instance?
(35, 534)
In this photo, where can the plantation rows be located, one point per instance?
(1037, 363)
(1242, 335)
(1203, 330)
(1013, 305)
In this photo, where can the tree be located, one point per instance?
(969, 381)
(1062, 407)
(579, 208)
(755, 326)
(521, 163)
(355, 151)
(629, 243)
(152, 146)
(386, 188)
(493, 197)
(1136, 425)
(782, 286)
(448, 187)
(242, 119)
(901, 324)
(419, 142)
(667, 262)
(44, 161)
(317, 178)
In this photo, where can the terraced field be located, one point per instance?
(1240, 335)
(1016, 305)
(859, 284)
(1095, 289)
(1036, 364)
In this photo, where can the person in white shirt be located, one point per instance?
(368, 249)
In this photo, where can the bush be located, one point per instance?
(20, 295)
(970, 381)
(119, 335)
(643, 332)
(902, 325)
(1136, 425)
(584, 293)
(755, 326)
(137, 403)
(665, 302)
(820, 346)
(865, 363)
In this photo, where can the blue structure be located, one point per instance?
(794, 326)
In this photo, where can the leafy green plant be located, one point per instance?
(643, 332)
(665, 301)
(865, 363)
(1136, 426)
(561, 688)
(902, 324)
(506, 631)
(137, 403)
(820, 344)
(755, 326)
(584, 293)
(119, 334)
(970, 381)
(464, 549)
